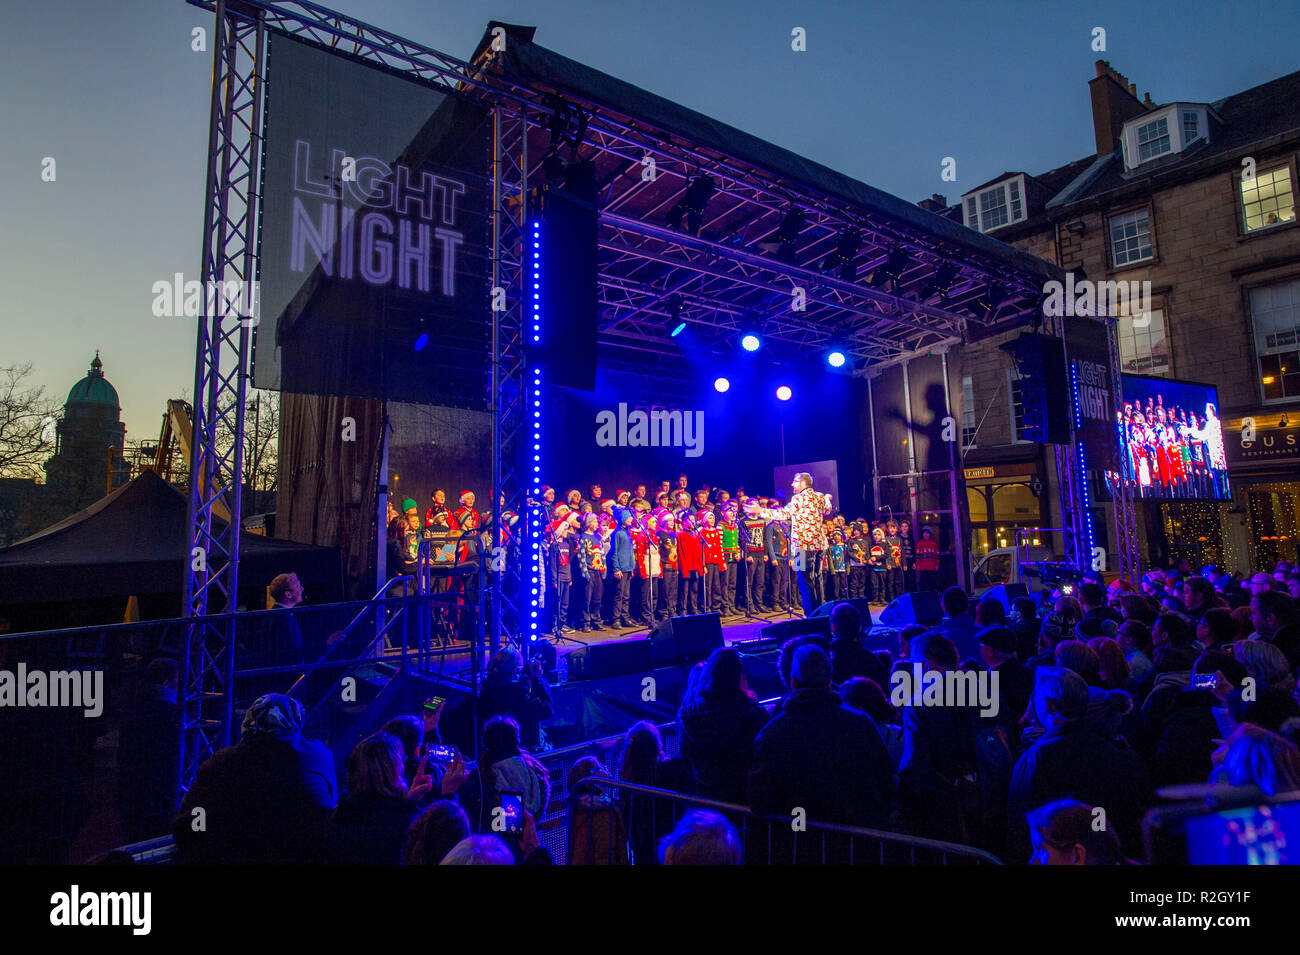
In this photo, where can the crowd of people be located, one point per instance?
(634, 558)
(1102, 699)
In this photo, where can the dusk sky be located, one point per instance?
(113, 92)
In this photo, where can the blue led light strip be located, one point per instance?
(1085, 492)
(534, 511)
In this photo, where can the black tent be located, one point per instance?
(133, 542)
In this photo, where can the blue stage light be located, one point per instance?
(751, 342)
(677, 330)
(784, 392)
(421, 341)
(836, 359)
(721, 384)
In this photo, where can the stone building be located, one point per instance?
(88, 461)
(1198, 199)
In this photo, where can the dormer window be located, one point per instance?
(998, 205)
(1169, 130)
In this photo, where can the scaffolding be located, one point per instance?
(872, 274)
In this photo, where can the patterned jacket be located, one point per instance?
(804, 512)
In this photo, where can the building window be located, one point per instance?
(998, 205)
(1275, 310)
(1130, 237)
(967, 413)
(1153, 139)
(1267, 199)
(1144, 345)
(1017, 407)
(1171, 130)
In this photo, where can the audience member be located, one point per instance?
(701, 838)
(718, 724)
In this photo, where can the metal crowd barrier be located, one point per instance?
(631, 827)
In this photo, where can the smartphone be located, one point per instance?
(441, 754)
(512, 811)
(1204, 681)
(433, 702)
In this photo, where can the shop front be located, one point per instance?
(1263, 452)
(1003, 498)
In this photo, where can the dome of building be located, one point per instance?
(94, 388)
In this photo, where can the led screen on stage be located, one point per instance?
(1170, 441)
(374, 234)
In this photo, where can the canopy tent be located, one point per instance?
(133, 542)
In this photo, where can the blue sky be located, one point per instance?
(113, 92)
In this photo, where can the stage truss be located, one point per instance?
(911, 292)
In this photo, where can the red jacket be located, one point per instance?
(711, 538)
(927, 555)
(689, 553)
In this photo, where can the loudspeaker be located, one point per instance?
(862, 603)
(1005, 593)
(562, 252)
(616, 658)
(688, 638)
(922, 607)
(1044, 394)
(788, 629)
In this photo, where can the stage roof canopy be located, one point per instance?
(920, 280)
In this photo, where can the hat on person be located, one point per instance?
(465, 496)
(409, 505)
(606, 502)
(562, 509)
(1000, 639)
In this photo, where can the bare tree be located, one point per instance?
(26, 423)
(262, 441)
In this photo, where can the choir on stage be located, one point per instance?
(635, 558)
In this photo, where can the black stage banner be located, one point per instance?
(374, 239)
(1087, 353)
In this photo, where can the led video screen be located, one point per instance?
(1170, 441)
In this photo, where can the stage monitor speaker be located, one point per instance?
(788, 629)
(599, 661)
(688, 638)
(921, 606)
(1005, 593)
(862, 603)
(566, 260)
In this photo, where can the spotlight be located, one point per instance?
(422, 341)
(692, 206)
(784, 392)
(845, 257)
(721, 384)
(676, 324)
(751, 342)
(836, 359)
(986, 306)
(782, 242)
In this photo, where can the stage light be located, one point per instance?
(421, 341)
(692, 206)
(845, 257)
(784, 393)
(676, 324)
(751, 342)
(721, 384)
(836, 359)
